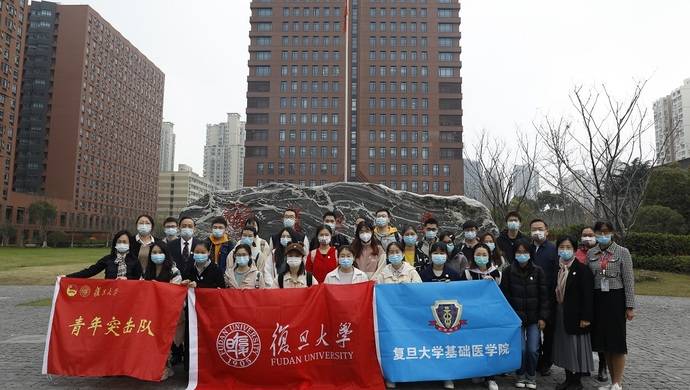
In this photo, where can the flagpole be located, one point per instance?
(346, 168)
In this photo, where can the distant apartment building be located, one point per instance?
(525, 182)
(672, 125)
(167, 162)
(224, 153)
(177, 189)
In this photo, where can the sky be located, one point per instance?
(520, 59)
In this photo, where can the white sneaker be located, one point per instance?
(520, 384)
(616, 386)
(531, 384)
(607, 387)
(492, 385)
(448, 385)
(390, 385)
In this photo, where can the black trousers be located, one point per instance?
(546, 346)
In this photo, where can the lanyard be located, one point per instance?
(604, 261)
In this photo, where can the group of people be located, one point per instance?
(573, 297)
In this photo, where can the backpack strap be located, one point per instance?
(280, 280)
(258, 278)
(468, 275)
(310, 279)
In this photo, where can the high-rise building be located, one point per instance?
(167, 162)
(224, 153)
(672, 125)
(525, 182)
(472, 181)
(398, 122)
(177, 189)
(90, 122)
(13, 15)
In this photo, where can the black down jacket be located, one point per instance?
(525, 288)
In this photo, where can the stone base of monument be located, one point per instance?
(348, 200)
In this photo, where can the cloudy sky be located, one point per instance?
(520, 58)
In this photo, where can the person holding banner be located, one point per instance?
(572, 348)
(242, 272)
(439, 271)
(413, 254)
(397, 270)
(324, 258)
(119, 264)
(614, 300)
(369, 254)
(525, 287)
(482, 267)
(220, 243)
(294, 274)
(201, 272)
(347, 271)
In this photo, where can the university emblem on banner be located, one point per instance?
(238, 345)
(447, 316)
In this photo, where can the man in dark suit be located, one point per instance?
(182, 248)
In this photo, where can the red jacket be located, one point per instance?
(320, 265)
(581, 255)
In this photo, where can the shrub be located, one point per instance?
(674, 264)
(58, 240)
(657, 244)
(659, 219)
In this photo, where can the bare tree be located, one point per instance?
(600, 159)
(499, 169)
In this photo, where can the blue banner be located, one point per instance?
(445, 331)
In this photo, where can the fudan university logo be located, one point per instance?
(447, 316)
(238, 345)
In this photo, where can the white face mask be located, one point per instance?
(144, 228)
(325, 239)
(538, 234)
(294, 262)
(365, 237)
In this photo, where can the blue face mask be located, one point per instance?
(450, 247)
(565, 254)
(381, 221)
(187, 233)
(481, 261)
(171, 231)
(395, 259)
(604, 239)
(491, 246)
(200, 257)
(218, 233)
(288, 222)
(430, 234)
(470, 235)
(346, 262)
(242, 260)
(246, 241)
(410, 240)
(158, 258)
(522, 258)
(513, 225)
(438, 258)
(284, 241)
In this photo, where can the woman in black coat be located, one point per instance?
(119, 264)
(572, 347)
(524, 286)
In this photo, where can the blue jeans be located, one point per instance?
(531, 337)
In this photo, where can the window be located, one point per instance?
(445, 72)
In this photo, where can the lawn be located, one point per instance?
(39, 266)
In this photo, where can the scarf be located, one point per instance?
(217, 244)
(562, 278)
(121, 265)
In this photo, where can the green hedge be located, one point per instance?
(675, 264)
(657, 244)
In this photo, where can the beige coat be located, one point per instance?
(389, 275)
(253, 279)
(333, 277)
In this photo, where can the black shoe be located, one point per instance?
(602, 377)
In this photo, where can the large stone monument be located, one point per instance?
(348, 200)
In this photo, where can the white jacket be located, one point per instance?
(333, 277)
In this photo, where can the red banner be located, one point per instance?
(111, 327)
(318, 337)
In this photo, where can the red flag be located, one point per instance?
(111, 327)
(318, 337)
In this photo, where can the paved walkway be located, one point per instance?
(657, 339)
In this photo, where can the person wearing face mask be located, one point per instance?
(587, 241)
(201, 271)
(170, 230)
(508, 237)
(572, 347)
(338, 240)
(324, 258)
(545, 254)
(119, 264)
(181, 248)
(242, 272)
(369, 254)
(220, 242)
(259, 258)
(481, 267)
(456, 259)
(295, 275)
(383, 231)
(141, 245)
(524, 285)
(347, 271)
(397, 270)
(439, 271)
(496, 255)
(469, 231)
(287, 236)
(413, 254)
(430, 236)
(614, 300)
(290, 221)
